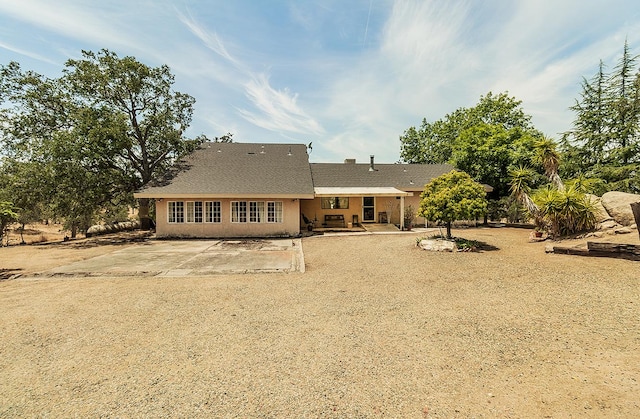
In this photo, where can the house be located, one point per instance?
(234, 190)
(368, 193)
(261, 190)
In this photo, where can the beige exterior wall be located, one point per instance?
(290, 225)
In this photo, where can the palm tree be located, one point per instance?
(521, 179)
(548, 157)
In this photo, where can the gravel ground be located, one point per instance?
(374, 328)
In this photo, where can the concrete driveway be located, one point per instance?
(173, 258)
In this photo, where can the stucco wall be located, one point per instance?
(312, 208)
(290, 225)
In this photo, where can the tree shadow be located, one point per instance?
(114, 239)
(8, 273)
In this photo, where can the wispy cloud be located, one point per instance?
(278, 109)
(209, 38)
(271, 109)
(26, 53)
(351, 76)
(76, 21)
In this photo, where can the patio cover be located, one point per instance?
(359, 191)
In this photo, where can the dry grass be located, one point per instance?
(375, 328)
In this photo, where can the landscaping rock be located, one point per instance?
(622, 230)
(605, 225)
(600, 211)
(100, 229)
(618, 205)
(438, 245)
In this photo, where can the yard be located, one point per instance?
(374, 328)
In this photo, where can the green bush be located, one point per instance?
(566, 211)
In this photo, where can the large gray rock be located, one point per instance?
(600, 211)
(438, 245)
(618, 205)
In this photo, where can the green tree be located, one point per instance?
(8, 215)
(452, 196)
(593, 116)
(486, 152)
(604, 141)
(434, 142)
(148, 118)
(107, 127)
(625, 107)
(21, 182)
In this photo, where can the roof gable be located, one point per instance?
(240, 169)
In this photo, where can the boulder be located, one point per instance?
(607, 224)
(622, 230)
(618, 205)
(600, 211)
(438, 245)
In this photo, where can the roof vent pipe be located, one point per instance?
(371, 167)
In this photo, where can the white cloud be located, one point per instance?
(26, 53)
(73, 20)
(278, 109)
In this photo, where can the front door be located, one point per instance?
(368, 209)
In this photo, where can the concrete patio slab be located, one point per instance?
(178, 258)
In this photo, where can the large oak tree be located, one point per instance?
(106, 127)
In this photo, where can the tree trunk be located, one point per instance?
(143, 214)
(635, 207)
(448, 229)
(74, 230)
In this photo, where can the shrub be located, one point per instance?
(566, 211)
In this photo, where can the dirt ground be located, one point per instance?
(374, 328)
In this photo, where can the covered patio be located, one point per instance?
(348, 207)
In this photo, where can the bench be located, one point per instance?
(334, 220)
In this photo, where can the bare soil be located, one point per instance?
(374, 328)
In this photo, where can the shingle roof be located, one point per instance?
(407, 177)
(241, 169)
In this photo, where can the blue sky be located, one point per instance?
(347, 75)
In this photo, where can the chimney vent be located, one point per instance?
(371, 166)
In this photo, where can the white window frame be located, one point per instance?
(256, 212)
(175, 212)
(212, 212)
(275, 212)
(189, 212)
(238, 211)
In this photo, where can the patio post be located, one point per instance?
(401, 212)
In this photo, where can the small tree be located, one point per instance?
(8, 215)
(452, 196)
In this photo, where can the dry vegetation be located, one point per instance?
(374, 328)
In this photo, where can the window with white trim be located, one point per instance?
(274, 212)
(190, 211)
(212, 212)
(238, 211)
(256, 212)
(175, 211)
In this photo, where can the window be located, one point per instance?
(190, 211)
(194, 211)
(335, 203)
(175, 212)
(256, 212)
(212, 212)
(197, 212)
(274, 212)
(238, 211)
